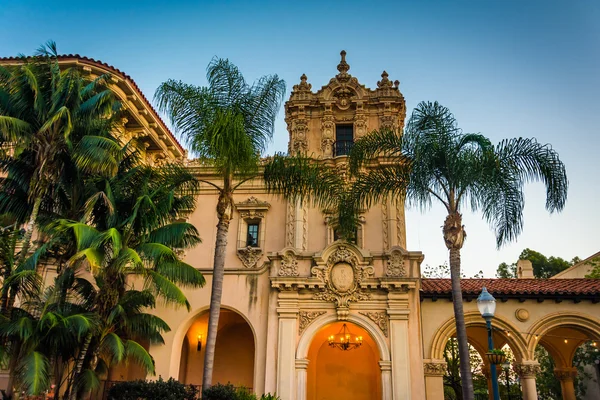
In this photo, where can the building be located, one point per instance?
(290, 286)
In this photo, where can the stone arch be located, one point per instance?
(516, 341)
(319, 323)
(578, 321)
(185, 325)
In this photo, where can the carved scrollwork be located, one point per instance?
(342, 275)
(249, 256)
(306, 317)
(380, 318)
(434, 368)
(527, 370)
(289, 265)
(395, 265)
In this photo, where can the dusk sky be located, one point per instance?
(504, 68)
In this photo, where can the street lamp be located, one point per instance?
(506, 368)
(487, 307)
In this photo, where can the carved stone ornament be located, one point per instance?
(527, 370)
(249, 256)
(289, 265)
(434, 368)
(394, 267)
(565, 374)
(380, 318)
(306, 317)
(342, 275)
(253, 201)
(522, 314)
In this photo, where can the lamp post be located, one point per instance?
(506, 368)
(487, 306)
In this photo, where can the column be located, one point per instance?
(386, 379)
(301, 378)
(566, 377)
(401, 386)
(286, 344)
(527, 370)
(434, 371)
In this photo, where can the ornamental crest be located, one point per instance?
(342, 275)
(395, 265)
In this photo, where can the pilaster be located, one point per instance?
(434, 371)
(400, 350)
(287, 312)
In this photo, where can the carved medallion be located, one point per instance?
(249, 256)
(342, 277)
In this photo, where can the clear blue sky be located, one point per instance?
(505, 68)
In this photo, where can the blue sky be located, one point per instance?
(505, 68)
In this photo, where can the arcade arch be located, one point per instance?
(234, 351)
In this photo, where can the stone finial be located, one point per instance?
(304, 86)
(384, 82)
(524, 269)
(343, 66)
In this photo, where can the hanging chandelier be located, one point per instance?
(345, 340)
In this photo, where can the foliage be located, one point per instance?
(443, 272)
(97, 209)
(595, 272)
(497, 351)
(152, 390)
(227, 124)
(220, 392)
(452, 381)
(543, 267)
(436, 161)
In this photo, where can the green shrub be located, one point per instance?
(152, 390)
(220, 392)
(269, 396)
(243, 393)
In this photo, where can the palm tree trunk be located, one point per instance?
(224, 208)
(29, 230)
(79, 366)
(454, 237)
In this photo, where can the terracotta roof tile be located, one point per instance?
(516, 287)
(117, 72)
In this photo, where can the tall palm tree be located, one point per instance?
(459, 170)
(227, 124)
(50, 121)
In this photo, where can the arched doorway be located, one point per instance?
(334, 374)
(234, 352)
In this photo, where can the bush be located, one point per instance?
(229, 392)
(220, 392)
(152, 390)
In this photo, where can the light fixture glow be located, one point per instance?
(345, 342)
(199, 347)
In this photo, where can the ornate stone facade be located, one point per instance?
(306, 317)
(380, 318)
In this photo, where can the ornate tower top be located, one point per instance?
(326, 123)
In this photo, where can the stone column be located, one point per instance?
(386, 379)
(286, 344)
(527, 372)
(301, 378)
(566, 377)
(434, 371)
(399, 344)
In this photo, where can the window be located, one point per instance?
(344, 139)
(352, 239)
(252, 237)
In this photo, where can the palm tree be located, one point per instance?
(50, 121)
(128, 231)
(444, 164)
(227, 125)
